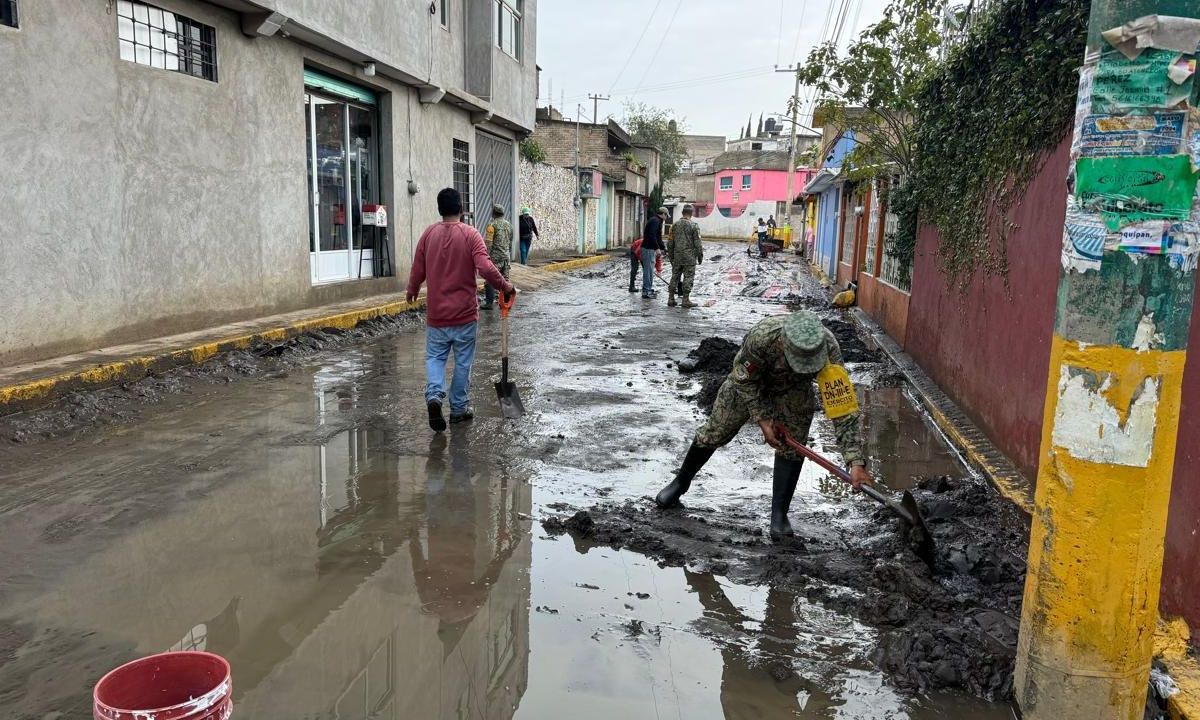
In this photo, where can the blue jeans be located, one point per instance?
(438, 344)
(647, 271)
(525, 251)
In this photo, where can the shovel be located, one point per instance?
(906, 509)
(510, 401)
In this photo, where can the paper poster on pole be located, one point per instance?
(1131, 189)
(1143, 82)
(1083, 241)
(1148, 237)
(1112, 135)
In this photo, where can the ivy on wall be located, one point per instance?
(987, 120)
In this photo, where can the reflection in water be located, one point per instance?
(758, 680)
(340, 580)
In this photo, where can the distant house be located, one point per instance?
(740, 186)
(616, 176)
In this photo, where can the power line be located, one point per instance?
(636, 45)
(661, 40)
(687, 82)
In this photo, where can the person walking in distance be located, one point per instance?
(773, 384)
(685, 252)
(527, 228)
(652, 247)
(762, 238)
(499, 243)
(448, 256)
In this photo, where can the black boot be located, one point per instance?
(783, 486)
(696, 457)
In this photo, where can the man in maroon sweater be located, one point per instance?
(449, 254)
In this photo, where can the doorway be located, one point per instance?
(493, 178)
(343, 176)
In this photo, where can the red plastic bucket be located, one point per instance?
(169, 686)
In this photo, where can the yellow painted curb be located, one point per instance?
(1014, 492)
(126, 369)
(1171, 640)
(575, 264)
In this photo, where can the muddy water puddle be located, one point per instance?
(309, 527)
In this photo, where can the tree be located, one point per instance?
(873, 88)
(649, 125)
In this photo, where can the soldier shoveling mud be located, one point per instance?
(772, 381)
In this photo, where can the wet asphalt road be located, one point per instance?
(310, 528)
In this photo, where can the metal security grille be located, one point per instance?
(8, 13)
(462, 172)
(158, 38)
(493, 176)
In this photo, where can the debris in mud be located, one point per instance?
(580, 524)
(854, 350)
(546, 609)
(953, 628)
(587, 586)
(119, 404)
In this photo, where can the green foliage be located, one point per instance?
(873, 88)
(656, 198)
(987, 120)
(654, 126)
(902, 202)
(531, 151)
(808, 157)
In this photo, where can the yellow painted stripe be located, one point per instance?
(134, 367)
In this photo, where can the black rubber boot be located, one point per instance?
(783, 486)
(669, 496)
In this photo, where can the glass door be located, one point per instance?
(329, 230)
(343, 165)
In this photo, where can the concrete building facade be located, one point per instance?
(191, 163)
(616, 176)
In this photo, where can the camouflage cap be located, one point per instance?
(688, 209)
(804, 343)
(497, 209)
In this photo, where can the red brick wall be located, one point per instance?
(989, 347)
(885, 304)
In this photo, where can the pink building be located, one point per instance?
(741, 178)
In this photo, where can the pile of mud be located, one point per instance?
(713, 358)
(83, 409)
(951, 627)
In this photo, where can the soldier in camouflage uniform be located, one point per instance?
(772, 381)
(685, 252)
(498, 236)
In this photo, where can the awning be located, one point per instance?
(823, 180)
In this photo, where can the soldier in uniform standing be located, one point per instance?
(772, 382)
(685, 252)
(498, 236)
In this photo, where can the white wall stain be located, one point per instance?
(1146, 337)
(1088, 427)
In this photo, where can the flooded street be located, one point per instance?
(308, 526)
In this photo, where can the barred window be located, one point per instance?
(161, 39)
(462, 172)
(8, 13)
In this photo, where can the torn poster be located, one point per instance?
(1083, 241)
(1165, 32)
(1083, 106)
(1144, 82)
(1148, 237)
(1157, 134)
(1183, 245)
(1131, 189)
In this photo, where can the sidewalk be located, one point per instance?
(1171, 640)
(33, 384)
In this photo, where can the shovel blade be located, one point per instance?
(510, 400)
(921, 536)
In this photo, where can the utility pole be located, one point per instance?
(791, 168)
(1115, 382)
(596, 105)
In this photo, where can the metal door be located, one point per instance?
(493, 178)
(603, 217)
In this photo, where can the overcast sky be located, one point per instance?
(711, 61)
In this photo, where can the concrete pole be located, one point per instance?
(1125, 296)
(791, 168)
